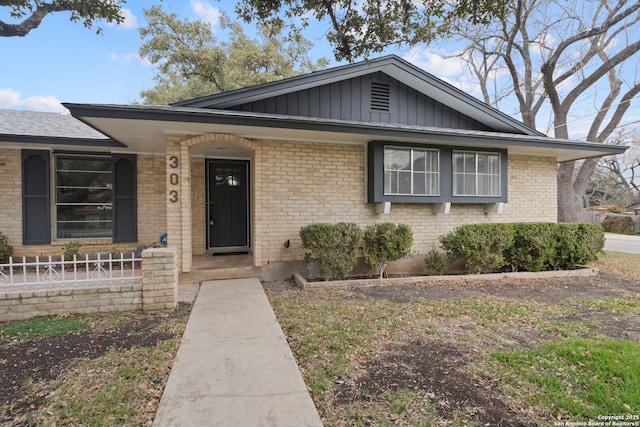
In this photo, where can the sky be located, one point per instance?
(61, 61)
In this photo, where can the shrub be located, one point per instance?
(6, 250)
(71, 249)
(576, 244)
(524, 246)
(386, 242)
(435, 263)
(533, 246)
(482, 246)
(333, 246)
(619, 224)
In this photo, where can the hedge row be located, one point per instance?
(335, 246)
(523, 246)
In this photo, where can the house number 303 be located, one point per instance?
(174, 179)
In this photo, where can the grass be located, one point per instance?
(543, 358)
(43, 326)
(120, 387)
(576, 378)
(125, 393)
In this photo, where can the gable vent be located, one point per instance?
(379, 96)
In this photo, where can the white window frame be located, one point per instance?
(412, 150)
(476, 193)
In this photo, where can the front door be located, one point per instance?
(228, 205)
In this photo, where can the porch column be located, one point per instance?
(185, 181)
(178, 184)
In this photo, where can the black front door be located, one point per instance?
(228, 205)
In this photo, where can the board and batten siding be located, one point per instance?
(351, 100)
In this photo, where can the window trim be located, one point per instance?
(375, 175)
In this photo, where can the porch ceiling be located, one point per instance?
(143, 129)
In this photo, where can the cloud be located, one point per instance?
(434, 63)
(127, 58)
(451, 70)
(207, 12)
(130, 20)
(10, 99)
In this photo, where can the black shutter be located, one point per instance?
(36, 216)
(125, 219)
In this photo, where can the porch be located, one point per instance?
(219, 266)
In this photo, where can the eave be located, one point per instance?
(143, 129)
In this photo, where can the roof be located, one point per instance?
(17, 126)
(391, 65)
(143, 129)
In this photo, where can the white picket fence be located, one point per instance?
(56, 272)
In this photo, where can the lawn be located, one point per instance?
(81, 370)
(505, 353)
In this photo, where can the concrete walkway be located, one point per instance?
(234, 366)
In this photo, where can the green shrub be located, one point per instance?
(6, 250)
(386, 242)
(482, 246)
(71, 249)
(333, 246)
(533, 246)
(619, 224)
(435, 263)
(524, 246)
(576, 244)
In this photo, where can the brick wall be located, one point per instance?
(152, 208)
(157, 291)
(303, 183)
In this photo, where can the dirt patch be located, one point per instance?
(551, 290)
(42, 361)
(435, 371)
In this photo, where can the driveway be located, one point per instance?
(622, 243)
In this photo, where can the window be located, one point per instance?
(83, 197)
(410, 171)
(476, 174)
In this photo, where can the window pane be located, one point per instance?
(404, 182)
(84, 195)
(419, 183)
(458, 162)
(390, 182)
(419, 161)
(397, 159)
(458, 184)
(494, 164)
(82, 230)
(483, 163)
(469, 163)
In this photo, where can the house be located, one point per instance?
(244, 170)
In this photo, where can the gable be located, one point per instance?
(374, 97)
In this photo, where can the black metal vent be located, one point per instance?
(379, 96)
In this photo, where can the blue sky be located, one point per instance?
(62, 61)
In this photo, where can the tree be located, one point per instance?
(32, 12)
(575, 61)
(368, 26)
(616, 180)
(192, 62)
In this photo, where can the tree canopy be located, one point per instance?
(368, 26)
(192, 62)
(30, 13)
